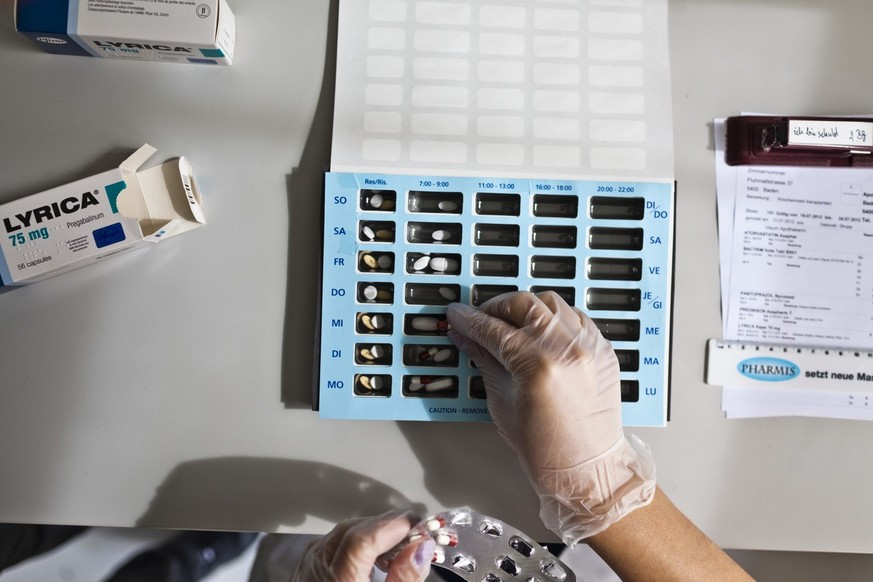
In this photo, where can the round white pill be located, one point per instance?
(447, 206)
(370, 292)
(441, 235)
(377, 321)
(368, 232)
(377, 352)
(376, 200)
(376, 382)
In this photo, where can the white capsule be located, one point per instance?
(439, 384)
(368, 232)
(370, 292)
(376, 200)
(447, 206)
(441, 235)
(444, 265)
(439, 555)
(384, 262)
(428, 324)
(448, 294)
(430, 384)
(433, 524)
(442, 355)
(421, 263)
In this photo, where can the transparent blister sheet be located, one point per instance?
(479, 548)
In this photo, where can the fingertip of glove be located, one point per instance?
(459, 308)
(459, 340)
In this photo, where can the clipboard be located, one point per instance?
(799, 141)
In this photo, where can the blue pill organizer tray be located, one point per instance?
(398, 249)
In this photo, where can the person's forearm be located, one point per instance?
(657, 543)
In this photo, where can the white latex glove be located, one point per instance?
(553, 389)
(349, 551)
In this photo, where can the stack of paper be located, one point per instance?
(796, 253)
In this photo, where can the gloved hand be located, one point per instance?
(349, 551)
(552, 383)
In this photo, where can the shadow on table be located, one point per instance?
(305, 192)
(469, 464)
(233, 493)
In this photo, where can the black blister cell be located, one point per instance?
(378, 200)
(435, 202)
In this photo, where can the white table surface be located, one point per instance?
(149, 390)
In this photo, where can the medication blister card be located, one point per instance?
(398, 249)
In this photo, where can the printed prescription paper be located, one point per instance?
(796, 255)
(798, 263)
(521, 89)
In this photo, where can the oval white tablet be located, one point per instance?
(448, 294)
(421, 263)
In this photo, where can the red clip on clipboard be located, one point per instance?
(799, 141)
